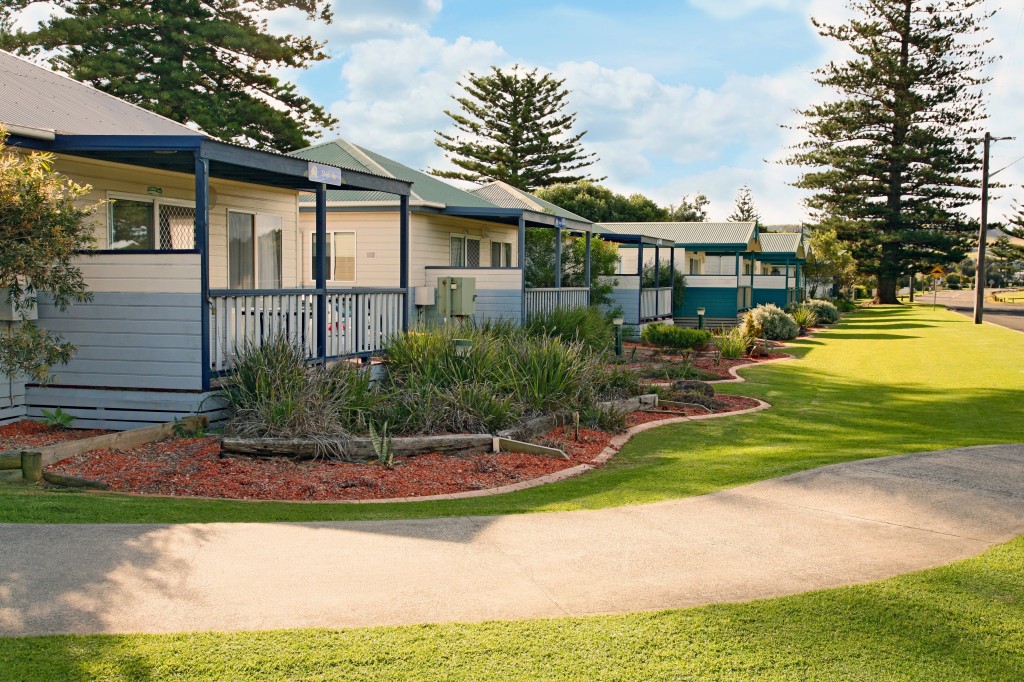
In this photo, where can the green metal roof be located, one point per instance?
(506, 196)
(788, 243)
(426, 189)
(725, 235)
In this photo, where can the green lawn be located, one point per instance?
(959, 622)
(886, 381)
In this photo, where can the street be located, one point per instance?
(1007, 315)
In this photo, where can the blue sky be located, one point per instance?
(679, 97)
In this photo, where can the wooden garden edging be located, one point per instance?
(32, 462)
(410, 446)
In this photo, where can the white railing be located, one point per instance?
(358, 322)
(541, 301)
(655, 303)
(772, 281)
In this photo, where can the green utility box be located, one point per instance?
(456, 296)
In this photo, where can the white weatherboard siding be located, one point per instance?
(712, 281)
(107, 178)
(172, 273)
(499, 292)
(771, 282)
(377, 243)
(12, 399)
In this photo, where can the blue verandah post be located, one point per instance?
(522, 262)
(403, 257)
(202, 228)
(321, 272)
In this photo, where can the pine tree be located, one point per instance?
(745, 211)
(514, 129)
(897, 152)
(206, 62)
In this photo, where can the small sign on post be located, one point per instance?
(937, 273)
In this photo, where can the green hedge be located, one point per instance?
(661, 334)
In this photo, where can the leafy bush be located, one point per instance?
(588, 326)
(826, 311)
(771, 322)
(732, 343)
(606, 418)
(861, 292)
(804, 316)
(843, 305)
(273, 393)
(662, 334)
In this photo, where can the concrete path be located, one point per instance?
(833, 526)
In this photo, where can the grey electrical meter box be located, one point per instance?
(456, 296)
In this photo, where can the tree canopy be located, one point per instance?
(895, 153)
(689, 210)
(42, 229)
(601, 204)
(540, 263)
(210, 63)
(745, 211)
(512, 126)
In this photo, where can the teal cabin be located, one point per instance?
(778, 272)
(718, 260)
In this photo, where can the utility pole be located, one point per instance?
(979, 274)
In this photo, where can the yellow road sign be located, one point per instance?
(938, 271)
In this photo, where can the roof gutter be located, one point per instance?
(33, 133)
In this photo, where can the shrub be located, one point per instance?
(825, 311)
(607, 418)
(861, 292)
(843, 305)
(732, 343)
(804, 316)
(662, 334)
(588, 326)
(769, 321)
(273, 393)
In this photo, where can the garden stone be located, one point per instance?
(691, 386)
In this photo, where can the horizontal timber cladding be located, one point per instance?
(717, 303)
(116, 179)
(12, 399)
(120, 410)
(499, 293)
(177, 273)
(780, 297)
(377, 243)
(625, 295)
(130, 340)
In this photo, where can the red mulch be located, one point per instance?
(647, 355)
(30, 434)
(194, 468)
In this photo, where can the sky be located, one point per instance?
(678, 97)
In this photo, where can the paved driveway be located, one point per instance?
(832, 526)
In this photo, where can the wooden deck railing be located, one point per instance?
(540, 301)
(358, 321)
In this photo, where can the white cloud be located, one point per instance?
(355, 22)
(397, 90)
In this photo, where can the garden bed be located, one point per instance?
(27, 434)
(196, 468)
(655, 363)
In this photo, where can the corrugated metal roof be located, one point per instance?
(505, 195)
(725, 234)
(35, 97)
(426, 188)
(781, 242)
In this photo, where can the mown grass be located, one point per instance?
(964, 621)
(885, 381)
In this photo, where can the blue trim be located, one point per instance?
(403, 256)
(202, 228)
(140, 252)
(522, 262)
(321, 271)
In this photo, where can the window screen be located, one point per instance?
(177, 227)
(131, 225)
(473, 253)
